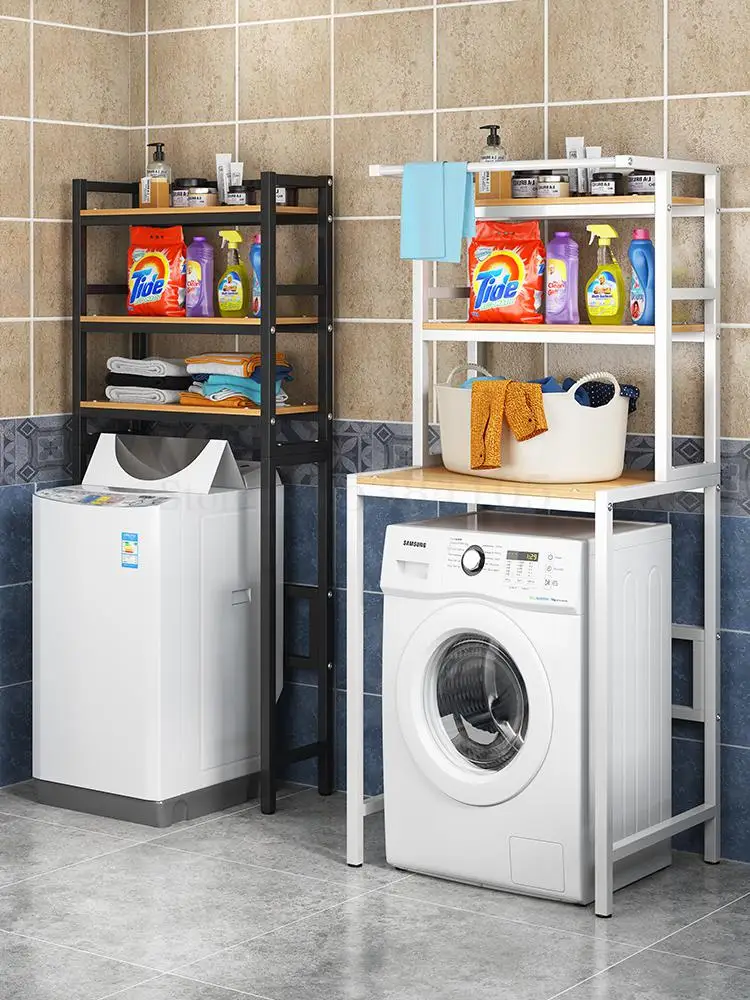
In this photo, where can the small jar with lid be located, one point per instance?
(181, 190)
(607, 184)
(203, 195)
(525, 184)
(237, 194)
(553, 185)
(642, 182)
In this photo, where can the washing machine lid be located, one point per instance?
(92, 497)
(473, 698)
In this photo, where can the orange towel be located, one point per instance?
(248, 362)
(236, 402)
(520, 404)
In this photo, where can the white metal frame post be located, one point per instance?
(355, 690)
(600, 681)
(663, 322)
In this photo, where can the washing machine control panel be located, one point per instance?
(524, 570)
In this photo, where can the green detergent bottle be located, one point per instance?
(233, 289)
(605, 289)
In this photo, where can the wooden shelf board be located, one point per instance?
(197, 320)
(439, 478)
(230, 411)
(620, 199)
(542, 328)
(209, 210)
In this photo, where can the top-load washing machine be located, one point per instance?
(486, 633)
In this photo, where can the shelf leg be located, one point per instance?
(601, 729)
(712, 672)
(355, 721)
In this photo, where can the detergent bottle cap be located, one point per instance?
(256, 238)
(605, 234)
(641, 234)
(231, 237)
(493, 135)
(158, 150)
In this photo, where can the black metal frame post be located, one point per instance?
(78, 443)
(324, 603)
(268, 561)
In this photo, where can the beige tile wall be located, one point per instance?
(333, 85)
(338, 84)
(64, 113)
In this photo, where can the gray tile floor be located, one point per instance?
(240, 904)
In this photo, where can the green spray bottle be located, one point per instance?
(233, 289)
(605, 289)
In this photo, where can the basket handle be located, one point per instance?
(465, 368)
(596, 377)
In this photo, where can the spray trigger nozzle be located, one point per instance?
(230, 237)
(605, 234)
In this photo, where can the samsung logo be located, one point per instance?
(415, 545)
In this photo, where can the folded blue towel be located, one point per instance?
(238, 382)
(437, 211)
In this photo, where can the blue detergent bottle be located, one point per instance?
(255, 266)
(641, 254)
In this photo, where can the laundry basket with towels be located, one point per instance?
(583, 444)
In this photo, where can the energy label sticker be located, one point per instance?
(129, 550)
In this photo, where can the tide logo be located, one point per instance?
(498, 279)
(148, 278)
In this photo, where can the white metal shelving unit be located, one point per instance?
(430, 481)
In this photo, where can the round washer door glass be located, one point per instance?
(482, 704)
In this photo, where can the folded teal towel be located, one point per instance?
(437, 211)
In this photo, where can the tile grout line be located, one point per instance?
(665, 76)
(255, 867)
(78, 951)
(515, 921)
(73, 864)
(281, 927)
(649, 947)
(32, 209)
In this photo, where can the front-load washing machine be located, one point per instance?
(486, 721)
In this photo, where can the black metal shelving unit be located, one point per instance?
(273, 452)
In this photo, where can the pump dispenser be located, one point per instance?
(605, 289)
(233, 289)
(491, 185)
(157, 182)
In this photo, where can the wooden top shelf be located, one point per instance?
(209, 210)
(590, 200)
(542, 328)
(197, 320)
(439, 478)
(229, 411)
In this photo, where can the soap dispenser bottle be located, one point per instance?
(156, 184)
(605, 289)
(491, 185)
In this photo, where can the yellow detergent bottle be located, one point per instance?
(605, 289)
(233, 289)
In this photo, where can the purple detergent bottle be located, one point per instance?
(562, 280)
(199, 298)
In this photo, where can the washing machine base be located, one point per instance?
(191, 805)
(627, 871)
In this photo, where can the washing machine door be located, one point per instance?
(474, 703)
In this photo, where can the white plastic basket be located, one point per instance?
(582, 445)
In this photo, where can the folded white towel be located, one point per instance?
(222, 394)
(138, 394)
(154, 367)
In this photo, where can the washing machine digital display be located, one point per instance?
(515, 555)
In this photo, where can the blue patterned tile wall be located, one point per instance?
(33, 453)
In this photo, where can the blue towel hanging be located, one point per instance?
(437, 211)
